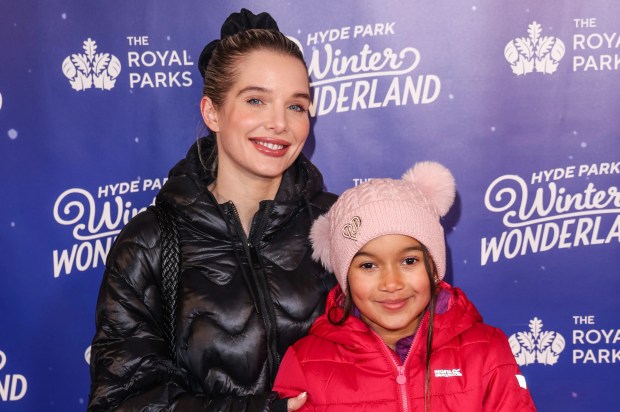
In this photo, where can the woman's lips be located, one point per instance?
(271, 147)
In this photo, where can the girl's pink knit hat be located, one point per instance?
(411, 206)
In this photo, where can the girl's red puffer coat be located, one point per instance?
(349, 368)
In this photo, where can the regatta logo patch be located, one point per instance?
(447, 373)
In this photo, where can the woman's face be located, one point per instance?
(390, 286)
(263, 123)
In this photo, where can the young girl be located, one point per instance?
(395, 337)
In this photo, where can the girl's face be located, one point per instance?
(390, 286)
(263, 123)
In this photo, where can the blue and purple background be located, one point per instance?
(519, 99)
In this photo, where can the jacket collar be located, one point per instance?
(459, 315)
(187, 186)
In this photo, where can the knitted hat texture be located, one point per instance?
(410, 206)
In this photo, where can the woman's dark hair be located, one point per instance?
(344, 307)
(222, 69)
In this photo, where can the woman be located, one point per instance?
(243, 201)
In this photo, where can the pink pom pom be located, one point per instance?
(319, 236)
(436, 184)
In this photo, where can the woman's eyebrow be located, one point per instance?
(259, 89)
(253, 89)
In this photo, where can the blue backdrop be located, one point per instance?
(519, 99)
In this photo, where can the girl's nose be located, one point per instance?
(391, 279)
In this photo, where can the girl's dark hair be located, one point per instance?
(432, 276)
(344, 306)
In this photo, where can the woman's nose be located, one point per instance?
(277, 120)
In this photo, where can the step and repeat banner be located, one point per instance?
(519, 99)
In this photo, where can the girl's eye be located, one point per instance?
(254, 101)
(298, 108)
(367, 265)
(410, 261)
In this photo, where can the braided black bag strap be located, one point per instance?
(170, 270)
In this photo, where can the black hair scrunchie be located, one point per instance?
(235, 23)
(205, 56)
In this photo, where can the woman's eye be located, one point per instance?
(367, 265)
(254, 101)
(298, 108)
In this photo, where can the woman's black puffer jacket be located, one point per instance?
(242, 301)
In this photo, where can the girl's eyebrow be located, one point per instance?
(360, 253)
(259, 89)
(405, 250)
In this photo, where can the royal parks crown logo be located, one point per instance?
(534, 53)
(91, 69)
(537, 345)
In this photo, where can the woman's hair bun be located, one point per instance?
(236, 23)
(246, 20)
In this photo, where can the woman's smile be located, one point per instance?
(271, 147)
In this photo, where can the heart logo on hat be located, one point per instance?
(352, 229)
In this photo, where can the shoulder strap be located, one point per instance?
(170, 270)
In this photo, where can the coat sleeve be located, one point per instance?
(291, 380)
(506, 388)
(130, 367)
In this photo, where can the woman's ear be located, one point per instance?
(209, 114)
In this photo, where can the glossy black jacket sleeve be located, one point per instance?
(130, 366)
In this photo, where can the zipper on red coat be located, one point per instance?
(401, 378)
(264, 297)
